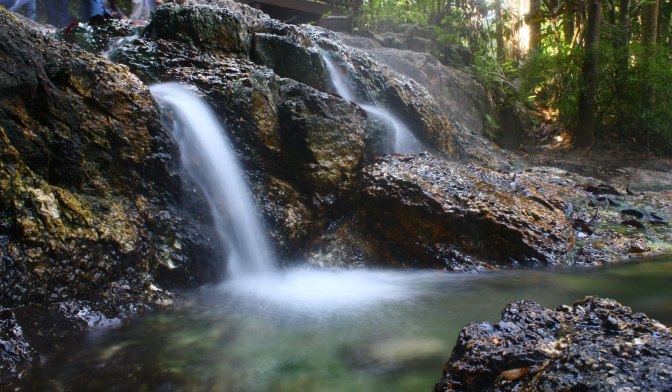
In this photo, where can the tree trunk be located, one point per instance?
(499, 30)
(623, 48)
(534, 21)
(664, 11)
(650, 11)
(584, 133)
(568, 24)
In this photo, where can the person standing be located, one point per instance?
(57, 13)
(27, 8)
(90, 8)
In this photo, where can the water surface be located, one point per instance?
(330, 331)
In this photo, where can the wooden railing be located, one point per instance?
(318, 6)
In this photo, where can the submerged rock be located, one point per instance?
(423, 211)
(594, 345)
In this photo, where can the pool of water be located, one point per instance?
(329, 331)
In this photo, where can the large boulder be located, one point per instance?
(374, 83)
(421, 210)
(472, 112)
(298, 145)
(457, 92)
(594, 345)
(90, 207)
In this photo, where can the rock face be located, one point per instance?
(469, 107)
(15, 352)
(90, 208)
(445, 215)
(377, 84)
(266, 87)
(594, 345)
(457, 92)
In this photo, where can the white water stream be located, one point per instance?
(404, 141)
(207, 157)
(209, 160)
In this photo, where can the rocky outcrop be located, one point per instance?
(424, 211)
(457, 92)
(90, 206)
(472, 112)
(594, 345)
(83, 178)
(301, 148)
(377, 84)
(15, 351)
(227, 30)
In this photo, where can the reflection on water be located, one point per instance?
(330, 331)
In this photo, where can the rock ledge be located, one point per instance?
(594, 345)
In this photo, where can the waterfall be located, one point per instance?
(208, 158)
(404, 141)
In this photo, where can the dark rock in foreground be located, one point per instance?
(595, 345)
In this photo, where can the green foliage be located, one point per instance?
(376, 12)
(648, 103)
(496, 77)
(634, 93)
(552, 81)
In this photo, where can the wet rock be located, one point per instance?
(205, 27)
(89, 201)
(98, 38)
(296, 143)
(609, 240)
(595, 344)
(309, 144)
(423, 211)
(459, 95)
(290, 51)
(289, 59)
(15, 352)
(377, 84)
(455, 91)
(648, 180)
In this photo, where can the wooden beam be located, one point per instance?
(311, 7)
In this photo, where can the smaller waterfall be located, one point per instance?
(404, 141)
(207, 157)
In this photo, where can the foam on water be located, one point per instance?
(315, 290)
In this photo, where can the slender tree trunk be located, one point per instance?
(664, 21)
(650, 10)
(534, 21)
(649, 37)
(568, 24)
(584, 134)
(612, 12)
(623, 49)
(499, 30)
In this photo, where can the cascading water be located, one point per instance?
(209, 160)
(404, 141)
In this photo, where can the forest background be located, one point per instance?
(598, 69)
